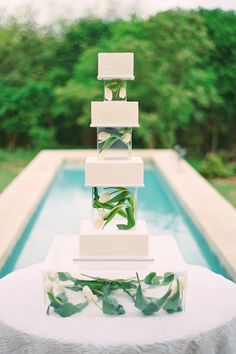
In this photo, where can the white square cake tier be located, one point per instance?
(114, 114)
(114, 173)
(64, 256)
(164, 256)
(115, 66)
(112, 242)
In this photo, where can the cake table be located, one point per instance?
(208, 325)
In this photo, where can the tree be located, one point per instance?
(221, 28)
(185, 77)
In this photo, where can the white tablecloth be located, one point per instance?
(208, 326)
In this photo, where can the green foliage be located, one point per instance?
(213, 166)
(227, 188)
(42, 138)
(69, 309)
(11, 163)
(110, 306)
(61, 305)
(122, 203)
(152, 279)
(96, 288)
(185, 79)
(170, 303)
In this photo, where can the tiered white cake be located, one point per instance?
(114, 243)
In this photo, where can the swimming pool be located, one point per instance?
(67, 202)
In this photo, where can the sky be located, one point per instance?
(48, 11)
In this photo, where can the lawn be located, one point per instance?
(226, 187)
(11, 163)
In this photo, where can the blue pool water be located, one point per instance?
(68, 202)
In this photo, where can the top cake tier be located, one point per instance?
(115, 66)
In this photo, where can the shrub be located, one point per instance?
(213, 166)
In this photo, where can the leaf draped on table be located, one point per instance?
(101, 292)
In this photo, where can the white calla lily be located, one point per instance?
(57, 288)
(89, 294)
(126, 137)
(182, 283)
(104, 198)
(101, 155)
(108, 93)
(48, 285)
(122, 92)
(98, 223)
(101, 213)
(53, 276)
(103, 136)
(174, 288)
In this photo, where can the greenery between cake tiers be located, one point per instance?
(115, 90)
(101, 291)
(106, 140)
(117, 201)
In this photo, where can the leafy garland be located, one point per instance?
(122, 203)
(100, 292)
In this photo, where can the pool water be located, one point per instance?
(67, 202)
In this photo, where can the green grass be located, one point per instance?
(226, 187)
(11, 163)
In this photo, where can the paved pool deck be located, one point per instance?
(212, 214)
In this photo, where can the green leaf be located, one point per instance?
(168, 278)
(92, 284)
(117, 189)
(69, 309)
(150, 308)
(127, 285)
(98, 205)
(130, 219)
(140, 301)
(54, 301)
(152, 279)
(174, 303)
(119, 197)
(95, 192)
(65, 276)
(74, 287)
(130, 214)
(110, 306)
(112, 214)
(57, 301)
(115, 86)
(131, 201)
(162, 300)
(108, 143)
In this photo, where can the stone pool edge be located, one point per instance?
(213, 215)
(203, 203)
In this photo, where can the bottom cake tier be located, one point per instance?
(152, 286)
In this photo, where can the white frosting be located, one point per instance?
(114, 173)
(114, 114)
(116, 66)
(113, 242)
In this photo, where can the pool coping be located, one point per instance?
(212, 214)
